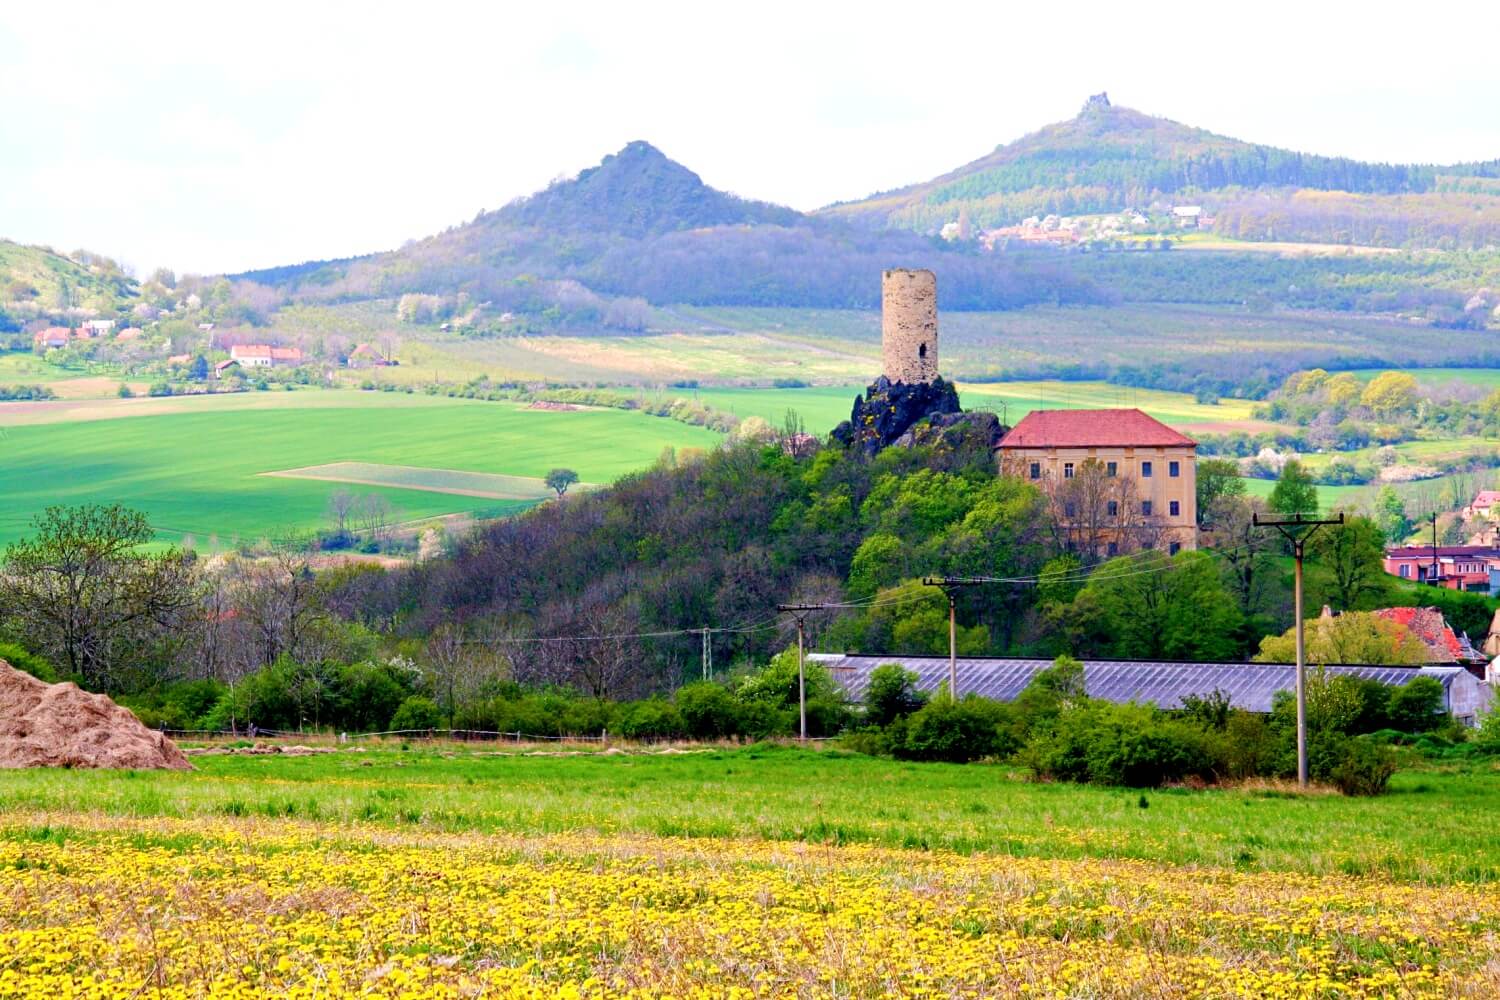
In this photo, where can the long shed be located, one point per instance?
(1250, 686)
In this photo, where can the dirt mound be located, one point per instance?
(57, 725)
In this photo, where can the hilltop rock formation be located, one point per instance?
(59, 725)
(887, 410)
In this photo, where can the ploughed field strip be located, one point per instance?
(470, 484)
(252, 908)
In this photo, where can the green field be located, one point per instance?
(477, 484)
(1434, 826)
(195, 465)
(757, 871)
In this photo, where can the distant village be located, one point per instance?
(1132, 225)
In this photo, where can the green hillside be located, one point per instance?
(37, 281)
(1110, 158)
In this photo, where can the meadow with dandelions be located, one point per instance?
(759, 871)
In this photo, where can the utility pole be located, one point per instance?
(950, 586)
(708, 653)
(1432, 576)
(800, 612)
(1298, 529)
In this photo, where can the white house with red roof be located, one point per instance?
(1136, 477)
(265, 356)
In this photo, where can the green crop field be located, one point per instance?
(1434, 826)
(195, 465)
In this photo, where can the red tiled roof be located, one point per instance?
(1486, 498)
(1428, 625)
(1425, 551)
(1093, 429)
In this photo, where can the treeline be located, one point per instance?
(1440, 220)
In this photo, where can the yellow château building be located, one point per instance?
(1118, 480)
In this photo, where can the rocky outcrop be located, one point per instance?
(887, 410)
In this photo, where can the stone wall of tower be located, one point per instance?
(908, 325)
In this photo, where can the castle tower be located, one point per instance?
(908, 325)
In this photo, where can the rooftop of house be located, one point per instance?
(1429, 552)
(1428, 624)
(1486, 498)
(1093, 429)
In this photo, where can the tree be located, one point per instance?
(1155, 606)
(1246, 549)
(341, 505)
(1390, 393)
(891, 694)
(560, 480)
(81, 593)
(1351, 556)
(1217, 477)
(198, 370)
(1352, 637)
(1390, 515)
(1294, 492)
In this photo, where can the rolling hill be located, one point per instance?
(640, 226)
(37, 281)
(1110, 158)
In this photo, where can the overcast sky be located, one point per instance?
(214, 137)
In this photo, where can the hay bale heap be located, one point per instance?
(59, 725)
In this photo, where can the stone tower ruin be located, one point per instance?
(908, 325)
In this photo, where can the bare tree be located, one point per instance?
(277, 597)
(374, 515)
(341, 505)
(1248, 551)
(1097, 513)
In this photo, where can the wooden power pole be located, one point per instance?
(950, 586)
(1298, 529)
(800, 612)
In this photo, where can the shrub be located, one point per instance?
(956, 731)
(1131, 745)
(653, 719)
(417, 712)
(23, 659)
(892, 694)
(1363, 767)
(707, 711)
(1416, 706)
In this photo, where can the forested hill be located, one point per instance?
(639, 192)
(640, 226)
(1110, 158)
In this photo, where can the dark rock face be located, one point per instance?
(887, 410)
(951, 431)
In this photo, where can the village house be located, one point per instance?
(53, 336)
(1483, 504)
(265, 356)
(366, 356)
(1154, 504)
(97, 327)
(1456, 567)
(1187, 216)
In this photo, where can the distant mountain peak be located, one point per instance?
(639, 191)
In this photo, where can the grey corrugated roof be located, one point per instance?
(1248, 685)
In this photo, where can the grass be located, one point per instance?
(195, 465)
(764, 870)
(1433, 828)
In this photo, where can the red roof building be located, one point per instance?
(1118, 480)
(1444, 645)
(1093, 429)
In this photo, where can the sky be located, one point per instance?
(221, 137)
